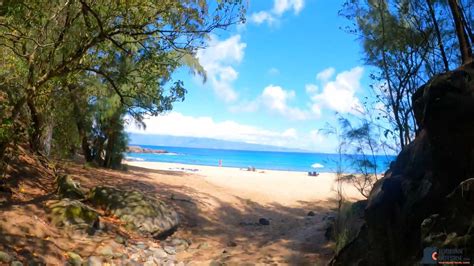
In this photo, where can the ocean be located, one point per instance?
(287, 161)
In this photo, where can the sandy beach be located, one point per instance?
(264, 186)
(221, 207)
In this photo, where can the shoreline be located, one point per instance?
(284, 187)
(128, 161)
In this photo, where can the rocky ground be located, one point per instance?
(44, 222)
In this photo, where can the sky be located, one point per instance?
(278, 79)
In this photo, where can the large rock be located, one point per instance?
(452, 227)
(66, 187)
(67, 212)
(140, 212)
(422, 190)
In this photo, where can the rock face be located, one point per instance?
(138, 149)
(425, 199)
(140, 212)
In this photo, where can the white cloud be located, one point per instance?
(177, 124)
(311, 88)
(275, 100)
(339, 94)
(273, 71)
(218, 59)
(291, 133)
(263, 16)
(326, 74)
(280, 7)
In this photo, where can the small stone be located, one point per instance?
(170, 250)
(120, 240)
(135, 257)
(204, 245)
(141, 245)
(5, 257)
(94, 261)
(179, 244)
(231, 244)
(106, 251)
(158, 252)
(311, 213)
(16, 263)
(149, 263)
(74, 259)
(264, 221)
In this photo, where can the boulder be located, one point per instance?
(142, 213)
(423, 189)
(68, 188)
(67, 212)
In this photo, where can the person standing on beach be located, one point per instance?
(220, 163)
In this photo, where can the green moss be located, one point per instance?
(68, 188)
(72, 212)
(138, 211)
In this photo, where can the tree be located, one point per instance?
(54, 39)
(461, 26)
(408, 42)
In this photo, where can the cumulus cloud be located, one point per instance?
(279, 8)
(219, 60)
(276, 100)
(339, 94)
(311, 88)
(177, 124)
(326, 74)
(336, 94)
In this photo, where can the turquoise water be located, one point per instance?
(289, 161)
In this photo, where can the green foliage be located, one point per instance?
(407, 42)
(74, 71)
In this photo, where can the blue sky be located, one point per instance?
(278, 79)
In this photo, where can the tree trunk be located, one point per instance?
(464, 44)
(438, 35)
(81, 127)
(38, 137)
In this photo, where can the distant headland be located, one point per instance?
(138, 149)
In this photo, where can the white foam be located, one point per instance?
(134, 158)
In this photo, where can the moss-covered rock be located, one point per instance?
(74, 259)
(5, 257)
(144, 214)
(67, 212)
(68, 188)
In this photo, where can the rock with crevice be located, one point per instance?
(422, 191)
(140, 212)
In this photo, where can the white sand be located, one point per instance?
(284, 187)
